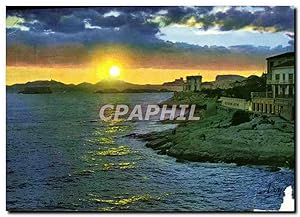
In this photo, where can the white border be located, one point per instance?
(150, 3)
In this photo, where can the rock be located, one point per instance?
(175, 152)
(162, 152)
(166, 146)
(155, 144)
(202, 136)
(273, 169)
(130, 135)
(264, 140)
(265, 126)
(240, 117)
(191, 156)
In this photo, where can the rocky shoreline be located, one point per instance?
(262, 140)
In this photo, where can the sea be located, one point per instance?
(61, 157)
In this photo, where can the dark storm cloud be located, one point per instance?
(57, 17)
(111, 21)
(163, 55)
(282, 18)
(234, 19)
(279, 18)
(176, 14)
(124, 34)
(260, 50)
(292, 43)
(134, 26)
(72, 20)
(69, 25)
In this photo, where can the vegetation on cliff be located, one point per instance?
(230, 136)
(241, 89)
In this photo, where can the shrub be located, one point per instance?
(240, 117)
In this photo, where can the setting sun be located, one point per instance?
(114, 71)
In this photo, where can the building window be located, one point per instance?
(290, 90)
(277, 77)
(291, 76)
(283, 77)
(283, 90)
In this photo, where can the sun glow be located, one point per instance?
(114, 71)
(23, 74)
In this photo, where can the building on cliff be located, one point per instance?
(235, 103)
(279, 97)
(176, 85)
(193, 83)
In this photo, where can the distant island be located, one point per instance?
(132, 91)
(222, 82)
(36, 90)
(104, 86)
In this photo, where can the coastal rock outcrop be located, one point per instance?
(259, 141)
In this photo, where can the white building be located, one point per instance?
(193, 83)
(280, 87)
(176, 85)
(280, 75)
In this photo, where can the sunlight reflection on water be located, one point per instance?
(57, 159)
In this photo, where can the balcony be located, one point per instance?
(261, 94)
(284, 101)
(287, 82)
(270, 95)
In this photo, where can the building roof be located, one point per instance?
(176, 82)
(288, 54)
(194, 77)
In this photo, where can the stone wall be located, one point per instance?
(235, 103)
(176, 88)
(283, 107)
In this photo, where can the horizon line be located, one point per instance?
(105, 79)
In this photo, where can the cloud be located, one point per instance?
(281, 17)
(268, 19)
(87, 26)
(156, 54)
(138, 28)
(71, 20)
(112, 14)
(14, 22)
(292, 43)
(140, 35)
(234, 19)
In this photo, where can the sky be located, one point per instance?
(150, 45)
